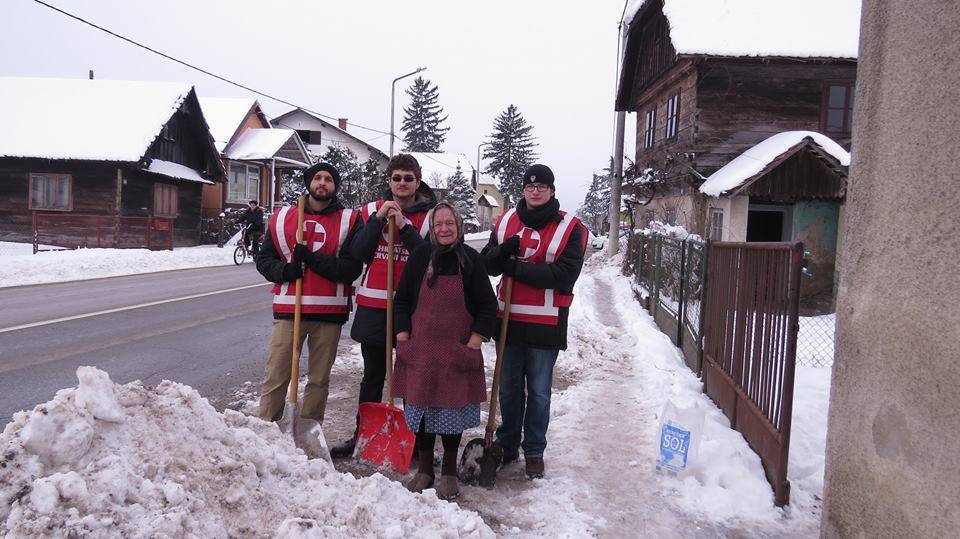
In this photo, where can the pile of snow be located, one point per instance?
(57, 266)
(671, 231)
(137, 461)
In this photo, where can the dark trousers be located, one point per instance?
(374, 372)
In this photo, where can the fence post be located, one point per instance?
(33, 218)
(658, 248)
(704, 295)
(149, 230)
(681, 307)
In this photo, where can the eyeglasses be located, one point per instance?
(531, 187)
(408, 178)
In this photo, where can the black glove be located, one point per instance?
(292, 271)
(510, 267)
(301, 254)
(510, 247)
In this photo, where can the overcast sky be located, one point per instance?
(555, 60)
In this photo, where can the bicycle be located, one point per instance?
(241, 252)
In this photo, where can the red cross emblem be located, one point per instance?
(529, 243)
(319, 236)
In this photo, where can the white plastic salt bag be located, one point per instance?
(680, 432)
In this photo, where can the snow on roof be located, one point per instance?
(492, 202)
(176, 170)
(259, 143)
(808, 29)
(753, 161)
(436, 168)
(224, 115)
(102, 120)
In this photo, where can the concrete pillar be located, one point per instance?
(893, 443)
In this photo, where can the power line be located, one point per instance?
(204, 71)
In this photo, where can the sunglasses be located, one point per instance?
(408, 178)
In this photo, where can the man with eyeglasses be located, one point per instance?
(542, 249)
(408, 202)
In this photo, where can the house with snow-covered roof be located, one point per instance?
(490, 204)
(438, 168)
(724, 84)
(102, 162)
(255, 155)
(320, 135)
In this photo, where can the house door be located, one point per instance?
(768, 223)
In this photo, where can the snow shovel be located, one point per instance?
(307, 433)
(383, 438)
(481, 457)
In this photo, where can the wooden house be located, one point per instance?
(103, 162)
(255, 155)
(490, 204)
(709, 81)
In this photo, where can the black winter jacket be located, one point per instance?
(561, 274)
(370, 324)
(341, 269)
(253, 219)
(478, 295)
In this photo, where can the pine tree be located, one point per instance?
(291, 187)
(351, 175)
(421, 127)
(461, 195)
(595, 210)
(374, 180)
(511, 151)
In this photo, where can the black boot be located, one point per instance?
(344, 449)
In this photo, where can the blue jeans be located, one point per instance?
(529, 412)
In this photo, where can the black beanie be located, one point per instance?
(312, 171)
(538, 174)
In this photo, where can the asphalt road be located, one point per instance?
(205, 327)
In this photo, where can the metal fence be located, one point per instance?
(57, 231)
(750, 346)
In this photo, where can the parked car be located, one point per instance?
(600, 242)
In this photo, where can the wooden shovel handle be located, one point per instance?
(391, 234)
(495, 389)
(297, 308)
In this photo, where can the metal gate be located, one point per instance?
(750, 345)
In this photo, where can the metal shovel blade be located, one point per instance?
(383, 438)
(480, 462)
(307, 433)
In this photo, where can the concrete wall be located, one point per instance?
(893, 468)
(734, 216)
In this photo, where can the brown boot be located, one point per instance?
(420, 482)
(534, 467)
(449, 488)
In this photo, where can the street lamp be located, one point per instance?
(393, 89)
(482, 144)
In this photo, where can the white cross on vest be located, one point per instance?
(529, 242)
(319, 236)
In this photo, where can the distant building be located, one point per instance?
(438, 168)
(490, 205)
(319, 135)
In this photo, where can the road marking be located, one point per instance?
(127, 308)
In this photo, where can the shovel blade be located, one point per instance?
(480, 462)
(307, 433)
(383, 438)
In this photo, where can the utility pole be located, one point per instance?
(393, 91)
(613, 234)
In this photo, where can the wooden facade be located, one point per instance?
(113, 188)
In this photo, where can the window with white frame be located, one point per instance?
(51, 192)
(649, 127)
(164, 200)
(716, 224)
(673, 114)
(244, 183)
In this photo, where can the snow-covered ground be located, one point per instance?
(18, 266)
(173, 463)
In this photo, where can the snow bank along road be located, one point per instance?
(205, 327)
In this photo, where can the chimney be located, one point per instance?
(342, 123)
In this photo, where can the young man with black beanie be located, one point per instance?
(541, 248)
(327, 265)
(408, 201)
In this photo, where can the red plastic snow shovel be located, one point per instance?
(481, 457)
(383, 438)
(307, 433)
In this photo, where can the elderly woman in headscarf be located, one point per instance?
(444, 309)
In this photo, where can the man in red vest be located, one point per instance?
(541, 248)
(328, 268)
(408, 202)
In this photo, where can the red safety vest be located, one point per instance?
(323, 234)
(372, 291)
(529, 303)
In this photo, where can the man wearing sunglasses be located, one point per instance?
(407, 202)
(541, 248)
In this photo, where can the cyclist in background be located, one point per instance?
(252, 219)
